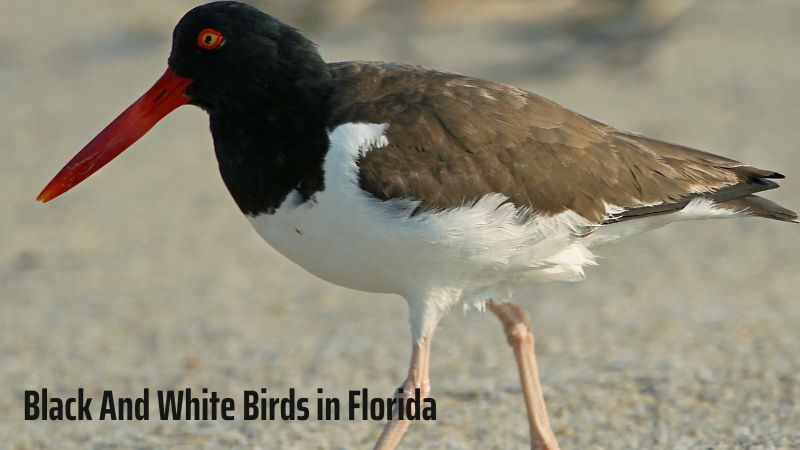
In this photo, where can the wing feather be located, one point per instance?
(455, 139)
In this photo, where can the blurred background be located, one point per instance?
(146, 275)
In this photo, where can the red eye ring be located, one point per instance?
(209, 39)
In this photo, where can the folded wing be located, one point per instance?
(455, 139)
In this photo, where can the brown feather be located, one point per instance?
(454, 139)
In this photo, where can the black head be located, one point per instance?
(236, 54)
(267, 92)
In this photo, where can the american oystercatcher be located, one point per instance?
(438, 187)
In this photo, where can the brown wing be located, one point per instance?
(454, 139)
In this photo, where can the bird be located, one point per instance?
(442, 188)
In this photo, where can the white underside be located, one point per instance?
(469, 254)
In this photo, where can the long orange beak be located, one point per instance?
(165, 95)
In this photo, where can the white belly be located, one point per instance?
(349, 238)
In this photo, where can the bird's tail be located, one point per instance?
(754, 205)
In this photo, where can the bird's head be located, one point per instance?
(234, 53)
(225, 56)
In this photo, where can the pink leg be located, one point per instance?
(519, 335)
(417, 378)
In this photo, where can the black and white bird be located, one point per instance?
(438, 187)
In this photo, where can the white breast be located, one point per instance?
(480, 251)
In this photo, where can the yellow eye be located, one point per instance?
(209, 39)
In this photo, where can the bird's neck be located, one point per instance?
(268, 149)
